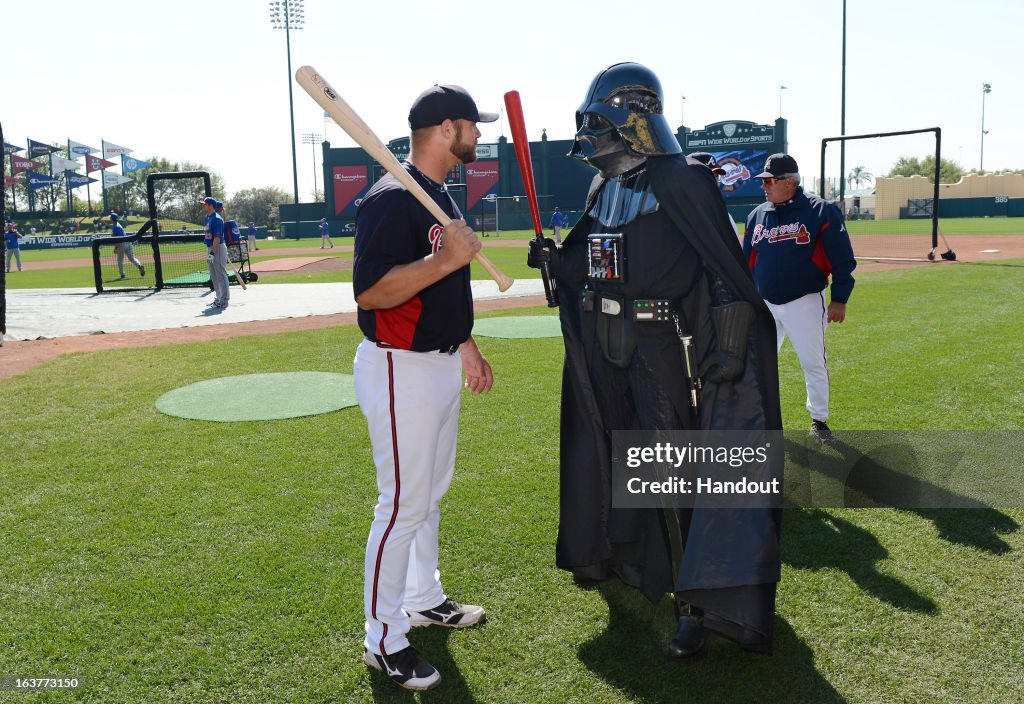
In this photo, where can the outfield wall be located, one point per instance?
(973, 195)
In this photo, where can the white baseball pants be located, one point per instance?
(803, 321)
(411, 403)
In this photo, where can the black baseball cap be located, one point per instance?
(709, 161)
(440, 103)
(779, 165)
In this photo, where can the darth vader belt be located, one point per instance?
(642, 310)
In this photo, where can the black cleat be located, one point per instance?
(822, 433)
(449, 614)
(691, 637)
(406, 668)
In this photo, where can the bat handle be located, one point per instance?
(550, 287)
(503, 281)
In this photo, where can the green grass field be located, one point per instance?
(949, 226)
(166, 560)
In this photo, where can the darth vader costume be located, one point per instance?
(654, 260)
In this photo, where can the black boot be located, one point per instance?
(691, 637)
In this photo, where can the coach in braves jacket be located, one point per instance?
(793, 242)
(411, 280)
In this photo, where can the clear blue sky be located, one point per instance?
(207, 81)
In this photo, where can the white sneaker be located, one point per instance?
(449, 614)
(406, 668)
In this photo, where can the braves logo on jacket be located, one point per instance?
(794, 231)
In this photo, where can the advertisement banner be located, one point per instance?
(40, 148)
(79, 149)
(481, 180)
(20, 163)
(111, 150)
(350, 184)
(37, 181)
(740, 166)
(94, 163)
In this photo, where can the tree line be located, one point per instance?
(175, 199)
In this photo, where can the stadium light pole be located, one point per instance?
(842, 125)
(986, 88)
(288, 15)
(313, 138)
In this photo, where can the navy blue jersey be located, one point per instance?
(793, 247)
(116, 230)
(392, 228)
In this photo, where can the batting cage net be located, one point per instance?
(888, 216)
(160, 253)
(3, 250)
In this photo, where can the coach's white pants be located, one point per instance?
(804, 321)
(411, 404)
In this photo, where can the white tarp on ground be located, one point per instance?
(62, 312)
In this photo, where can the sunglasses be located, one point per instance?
(772, 180)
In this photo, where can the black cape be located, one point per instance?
(731, 563)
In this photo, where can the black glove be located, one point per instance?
(732, 330)
(540, 253)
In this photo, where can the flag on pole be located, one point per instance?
(111, 150)
(79, 149)
(39, 148)
(79, 180)
(327, 119)
(37, 181)
(94, 163)
(129, 164)
(11, 149)
(11, 180)
(60, 165)
(20, 163)
(111, 180)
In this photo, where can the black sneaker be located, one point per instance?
(449, 614)
(691, 637)
(821, 432)
(406, 668)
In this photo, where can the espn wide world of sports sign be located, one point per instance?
(56, 241)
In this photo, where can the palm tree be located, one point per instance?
(859, 175)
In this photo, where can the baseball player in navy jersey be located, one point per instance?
(793, 243)
(411, 280)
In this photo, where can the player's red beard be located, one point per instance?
(466, 153)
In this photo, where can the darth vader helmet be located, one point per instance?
(620, 122)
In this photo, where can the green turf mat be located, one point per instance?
(260, 397)
(518, 326)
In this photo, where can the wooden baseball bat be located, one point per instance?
(517, 123)
(347, 118)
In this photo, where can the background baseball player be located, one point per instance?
(125, 250)
(793, 243)
(217, 256)
(411, 279)
(325, 234)
(558, 221)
